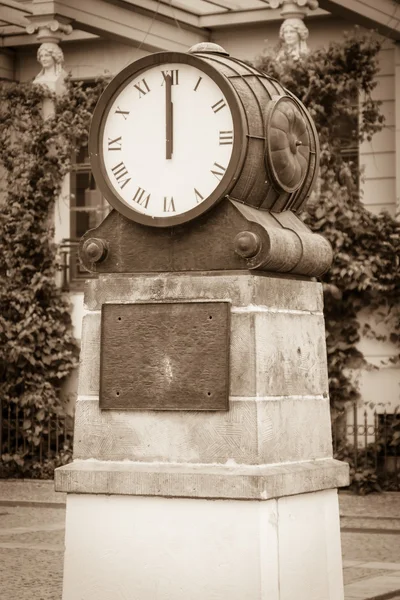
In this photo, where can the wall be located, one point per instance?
(380, 388)
(378, 157)
(91, 58)
(6, 64)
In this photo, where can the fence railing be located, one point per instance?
(17, 446)
(370, 442)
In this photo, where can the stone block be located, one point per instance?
(287, 293)
(309, 547)
(242, 355)
(170, 436)
(241, 482)
(89, 361)
(132, 548)
(283, 293)
(290, 354)
(168, 286)
(293, 429)
(251, 432)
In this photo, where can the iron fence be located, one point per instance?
(370, 443)
(20, 446)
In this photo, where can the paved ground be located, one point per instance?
(370, 528)
(32, 518)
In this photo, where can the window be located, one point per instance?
(87, 210)
(347, 130)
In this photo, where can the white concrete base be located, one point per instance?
(155, 548)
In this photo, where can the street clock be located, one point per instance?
(175, 133)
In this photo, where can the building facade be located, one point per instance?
(101, 37)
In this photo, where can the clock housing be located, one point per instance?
(167, 139)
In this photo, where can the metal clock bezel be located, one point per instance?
(98, 123)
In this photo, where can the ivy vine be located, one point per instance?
(37, 347)
(365, 273)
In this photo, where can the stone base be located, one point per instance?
(148, 548)
(210, 505)
(184, 480)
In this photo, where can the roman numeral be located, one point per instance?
(142, 90)
(197, 84)
(174, 76)
(115, 144)
(140, 197)
(199, 197)
(218, 105)
(225, 138)
(169, 205)
(220, 173)
(120, 172)
(122, 112)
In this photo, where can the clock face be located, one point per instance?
(165, 139)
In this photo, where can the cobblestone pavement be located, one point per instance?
(370, 532)
(32, 544)
(31, 552)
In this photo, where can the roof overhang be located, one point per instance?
(173, 24)
(14, 16)
(122, 21)
(381, 15)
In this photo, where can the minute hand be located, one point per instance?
(168, 118)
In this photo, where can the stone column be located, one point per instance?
(293, 31)
(52, 75)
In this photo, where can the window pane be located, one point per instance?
(82, 156)
(88, 207)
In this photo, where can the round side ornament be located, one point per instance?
(287, 152)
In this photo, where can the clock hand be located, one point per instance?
(168, 118)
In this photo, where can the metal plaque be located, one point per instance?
(165, 356)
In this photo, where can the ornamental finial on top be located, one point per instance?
(49, 31)
(295, 6)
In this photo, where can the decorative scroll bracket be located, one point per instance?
(232, 236)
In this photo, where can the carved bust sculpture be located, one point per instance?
(293, 34)
(52, 74)
(51, 58)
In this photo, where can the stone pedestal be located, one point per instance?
(237, 504)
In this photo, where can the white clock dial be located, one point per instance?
(167, 141)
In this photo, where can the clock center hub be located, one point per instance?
(293, 143)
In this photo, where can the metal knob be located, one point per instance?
(95, 250)
(247, 244)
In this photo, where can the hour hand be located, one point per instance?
(168, 118)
